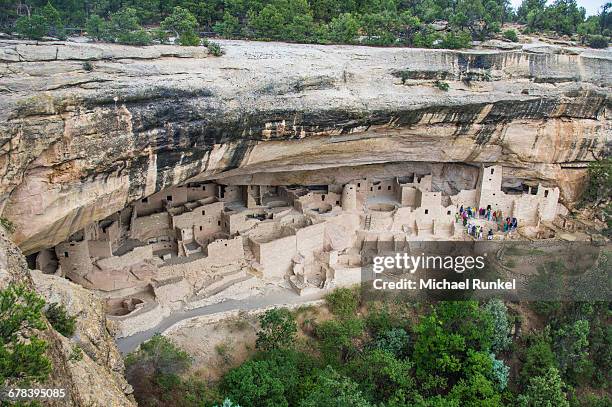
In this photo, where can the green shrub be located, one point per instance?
(160, 35)
(336, 339)
(597, 41)
(379, 319)
(157, 356)
(54, 21)
(228, 27)
(189, 39)
(538, 359)
(331, 389)
(60, 320)
(154, 369)
(600, 350)
(224, 350)
(599, 187)
(456, 40)
(214, 48)
(76, 354)
(184, 25)
(591, 400)
(442, 85)
(137, 37)
(124, 27)
(7, 224)
(278, 329)
(570, 343)
(22, 361)
(253, 385)
(501, 328)
(96, 27)
(343, 29)
(544, 390)
(33, 27)
(88, 66)
(499, 373)
(395, 341)
(381, 376)
(510, 35)
(343, 302)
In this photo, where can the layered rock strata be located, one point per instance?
(85, 129)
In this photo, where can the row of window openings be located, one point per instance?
(168, 198)
(427, 212)
(218, 224)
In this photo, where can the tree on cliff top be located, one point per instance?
(44, 21)
(124, 27)
(184, 25)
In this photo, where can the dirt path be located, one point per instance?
(278, 296)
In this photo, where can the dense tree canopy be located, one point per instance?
(373, 22)
(373, 354)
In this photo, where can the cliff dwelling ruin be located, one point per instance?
(165, 204)
(186, 243)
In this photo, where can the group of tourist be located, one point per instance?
(476, 231)
(473, 212)
(510, 224)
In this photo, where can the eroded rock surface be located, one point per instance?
(94, 379)
(86, 129)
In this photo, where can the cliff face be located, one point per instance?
(96, 378)
(87, 128)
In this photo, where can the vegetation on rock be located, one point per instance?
(432, 23)
(60, 320)
(155, 373)
(277, 331)
(22, 352)
(183, 24)
(599, 190)
(444, 86)
(395, 354)
(511, 35)
(7, 225)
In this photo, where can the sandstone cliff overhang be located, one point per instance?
(87, 128)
